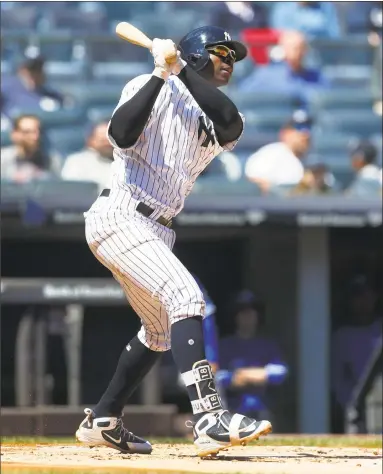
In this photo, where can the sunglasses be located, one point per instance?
(222, 51)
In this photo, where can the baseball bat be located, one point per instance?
(130, 33)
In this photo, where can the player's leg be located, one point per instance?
(103, 424)
(167, 280)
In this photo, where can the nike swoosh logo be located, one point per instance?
(113, 440)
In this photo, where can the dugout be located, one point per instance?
(292, 252)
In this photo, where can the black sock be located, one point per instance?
(132, 367)
(187, 349)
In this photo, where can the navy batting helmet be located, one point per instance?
(193, 45)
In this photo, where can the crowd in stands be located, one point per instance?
(313, 109)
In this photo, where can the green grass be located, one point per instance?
(360, 441)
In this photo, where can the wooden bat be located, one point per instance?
(130, 33)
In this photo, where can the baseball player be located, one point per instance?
(166, 128)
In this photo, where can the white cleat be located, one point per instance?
(215, 432)
(110, 432)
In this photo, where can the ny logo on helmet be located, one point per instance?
(227, 36)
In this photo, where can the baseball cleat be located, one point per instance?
(215, 432)
(110, 432)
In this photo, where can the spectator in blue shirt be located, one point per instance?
(288, 76)
(314, 19)
(27, 90)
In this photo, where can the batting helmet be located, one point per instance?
(193, 45)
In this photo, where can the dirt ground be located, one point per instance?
(173, 459)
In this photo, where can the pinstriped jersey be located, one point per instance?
(176, 145)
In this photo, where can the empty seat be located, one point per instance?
(361, 124)
(18, 17)
(58, 118)
(272, 102)
(365, 188)
(351, 99)
(66, 140)
(75, 195)
(5, 138)
(325, 143)
(120, 72)
(213, 186)
(349, 76)
(266, 122)
(348, 51)
(101, 113)
(93, 94)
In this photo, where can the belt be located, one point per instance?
(144, 210)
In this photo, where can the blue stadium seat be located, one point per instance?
(252, 139)
(120, 72)
(75, 117)
(211, 185)
(100, 113)
(332, 142)
(345, 51)
(335, 161)
(361, 124)
(350, 99)
(18, 17)
(93, 94)
(352, 76)
(365, 188)
(265, 122)
(66, 140)
(5, 138)
(269, 102)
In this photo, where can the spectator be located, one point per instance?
(93, 163)
(249, 361)
(27, 159)
(236, 16)
(363, 330)
(281, 163)
(289, 75)
(313, 19)
(317, 179)
(27, 90)
(363, 161)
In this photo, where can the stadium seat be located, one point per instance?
(265, 122)
(361, 124)
(348, 76)
(269, 102)
(365, 188)
(18, 17)
(66, 140)
(119, 72)
(93, 94)
(342, 52)
(350, 99)
(58, 118)
(252, 139)
(5, 138)
(76, 195)
(100, 113)
(211, 185)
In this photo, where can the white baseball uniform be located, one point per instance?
(159, 170)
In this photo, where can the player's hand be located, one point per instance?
(161, 49)
(178, 65)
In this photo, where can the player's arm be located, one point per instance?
(130, 118)
(217, 106)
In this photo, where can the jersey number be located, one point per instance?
(208, 131)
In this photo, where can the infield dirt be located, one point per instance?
(181, 458)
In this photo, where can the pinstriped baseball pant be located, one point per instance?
(138, 252)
